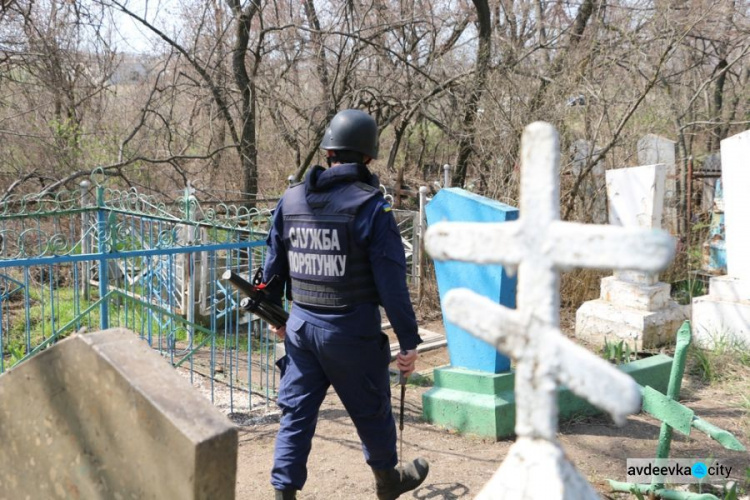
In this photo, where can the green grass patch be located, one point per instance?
(728, 360)
(619, 352)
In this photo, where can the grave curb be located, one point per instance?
(483, 404)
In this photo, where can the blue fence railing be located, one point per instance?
(103, 258)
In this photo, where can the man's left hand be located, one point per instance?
(280, 332)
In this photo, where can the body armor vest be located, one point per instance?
(328, 269)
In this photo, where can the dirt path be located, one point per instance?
(461, 465)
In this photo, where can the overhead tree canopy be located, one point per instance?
(234, 96)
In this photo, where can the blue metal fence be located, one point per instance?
(104, 258)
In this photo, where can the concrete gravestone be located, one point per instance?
(538, 245)
(458, 205)
(724, 314)
(102, 415)
(468, 395)
(653, 149)
(633, 305)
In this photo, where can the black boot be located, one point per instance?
(391, 483)
(286, 494)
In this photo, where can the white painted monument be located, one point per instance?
(538, 246)
(634, 306)
(653, 149)
(724, 314)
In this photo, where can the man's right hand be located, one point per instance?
(280, 332)
(405, 360)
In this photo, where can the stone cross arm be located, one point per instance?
(585, 374)
(566, 244)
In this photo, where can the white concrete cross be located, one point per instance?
(538, 245)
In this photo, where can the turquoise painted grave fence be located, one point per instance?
(103, 258)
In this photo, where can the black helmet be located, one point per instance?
(352, 130)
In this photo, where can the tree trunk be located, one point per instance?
(248, 148)
(484, 55)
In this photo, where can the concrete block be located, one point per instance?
(471, 402)
(637, 277)
(729, 288)
(102, 415)
(628, 294)
(598, 320)
(717, 321)
(484, 404)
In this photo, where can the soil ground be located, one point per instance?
(461, 465)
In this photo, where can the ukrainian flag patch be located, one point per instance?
(387, 207)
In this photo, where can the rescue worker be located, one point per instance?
(335, 243)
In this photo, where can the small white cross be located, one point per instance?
(538, 245)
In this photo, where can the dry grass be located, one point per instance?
(578, 286)
(428, 303)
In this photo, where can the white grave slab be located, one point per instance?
(538, 246)
(633, 305)
(653, 149)
(724, 314)
(636, 196)
(735, 181)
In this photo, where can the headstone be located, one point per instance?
(633, 305)
(723, 316)
(458, 205)
(538, 245)
(102, 415)
(593, 187)
(653, 149)
(468, 395)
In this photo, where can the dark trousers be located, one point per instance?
(355, 363)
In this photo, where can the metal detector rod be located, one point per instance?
(402, 381)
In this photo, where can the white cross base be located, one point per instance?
(538, 245)
(536, 469)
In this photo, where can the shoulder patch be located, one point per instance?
(386, 207)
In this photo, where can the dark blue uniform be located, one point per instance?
(334, 239)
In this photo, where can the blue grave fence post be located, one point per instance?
(101, 215)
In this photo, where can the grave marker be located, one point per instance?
(653, 149)
(538, 245)
(458, 205)
(633, 305)
(468, 395)
(714, 248)
(102, 415)
(723, 316)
